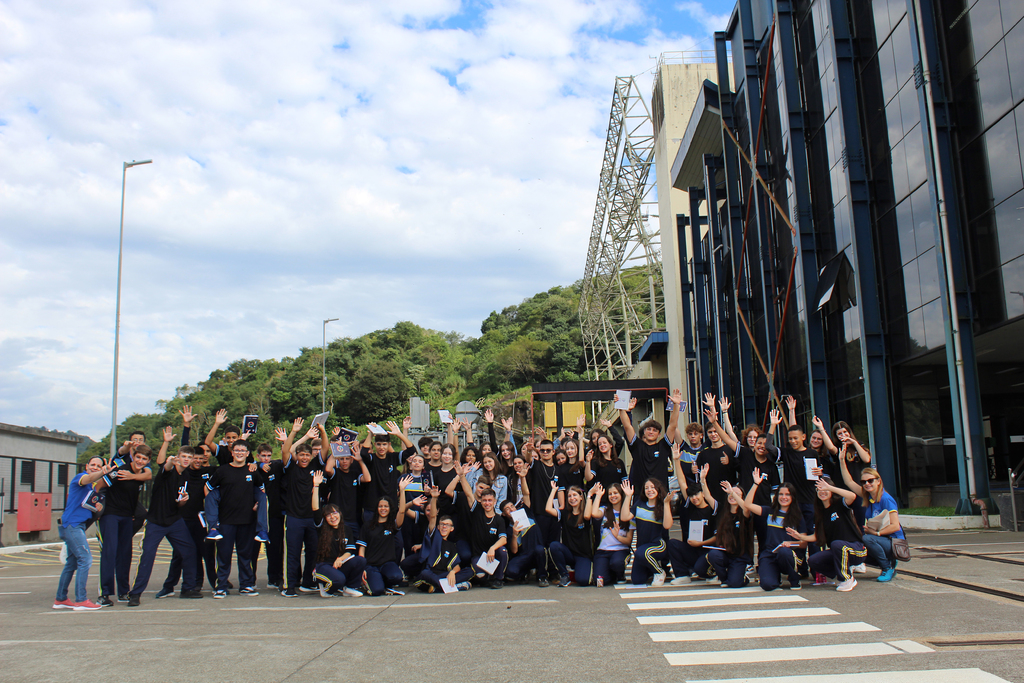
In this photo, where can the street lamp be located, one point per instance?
(117, 314)
(323, 353)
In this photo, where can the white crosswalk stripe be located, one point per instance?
(768, 617)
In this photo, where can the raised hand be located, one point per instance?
(816, 421)
(711, 415)
(724, 403)
(356, 449)
(676, 397)
(489, 416)
(627, 489)
(312, 433)
(598, 490)
(506, 422)
(581, 422)
(335, 432)
(791, 402)
(758, 477)
(606, 423)
(318, 477)
(404, 482)
(419, 501)
(186, 415)
(392, 427)
(434, 491)
(297, 424)
(632, 404)
(709, 400)
(704, 471)
(675, 451)
(775, 416)
(280, 434)
(221, 417)
(169, 434)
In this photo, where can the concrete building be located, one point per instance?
(34, 461)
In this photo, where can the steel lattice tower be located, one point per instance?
(623, 291)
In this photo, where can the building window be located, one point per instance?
(28, 472)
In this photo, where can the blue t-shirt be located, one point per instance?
(886, 502)
(74, 513)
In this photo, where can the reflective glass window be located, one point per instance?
(968, 108)
(994, 85)
(897, 8)
(1013, 284)
(880, 9)
(894, 119)
(977, 186)
(1015, 56)
(1004, 158)
(990, 299)
(915, 328)
(1010, 227)
(934, 328)
(887, 71)
(905, 230)
(903, 59)
(1013, 12)
(900, 181)
(958, 42)
(912, 285)
(924, 219)
(917, 171)
(983, 244)
(928, 268)
(986, 26)
(909, 106)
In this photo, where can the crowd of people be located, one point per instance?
(337, 516)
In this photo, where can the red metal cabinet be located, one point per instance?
(34, 512)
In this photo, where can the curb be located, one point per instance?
(11, 549)
(926, 523)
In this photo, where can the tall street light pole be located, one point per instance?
(323, 392)
(117, 314)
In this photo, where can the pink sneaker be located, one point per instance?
(85, 606)
(63, 604)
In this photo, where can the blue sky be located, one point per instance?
(423, 160)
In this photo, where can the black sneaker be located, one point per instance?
(564, 582)
(134, 600)
(122, 598)
(248, 590)
(289, 593)
(104, 601)
(164, 593)
(191, 595)
(497, 583)
(307, 589)
(543, 583)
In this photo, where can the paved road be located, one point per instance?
(522, 633)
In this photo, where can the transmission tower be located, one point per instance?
(623, 290)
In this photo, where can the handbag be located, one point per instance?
(900, 548)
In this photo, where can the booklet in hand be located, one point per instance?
(348, 435)
(319, 420)
(446, 417)
(447, 587)
(696, 532)
(488, 567)
(249, 423)
(376, 428)
(878, 522)
(622, 399)
(341, 450)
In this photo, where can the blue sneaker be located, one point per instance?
(262, 537)
(214, 535)
(887, 575)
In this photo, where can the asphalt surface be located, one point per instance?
(527, 633)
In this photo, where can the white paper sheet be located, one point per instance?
(446, 587)
(810, 464)
(446, 417)
(696, 532)
(521, 518)
(622, 399)
(488, 567)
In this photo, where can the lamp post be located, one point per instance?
(323, 353)
(117, 314)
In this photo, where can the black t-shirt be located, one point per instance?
(481, 531)
(384, 475)
(840, 524)
(441, 479)
(649, 461)
(446, 559)
(772, 528)
(746, 463)
(163, 503)
(692, 513)
(272, 486)
(340, 543)
(718, 472)
(539, 479)
(609, 473)
(298, 488)
(122, 494)
(237, 493)
(379, 543)
(345, 491)
(195, 480)
(567, 478)
(796, 474)
(577, 537)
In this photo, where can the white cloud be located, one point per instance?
(362, 160)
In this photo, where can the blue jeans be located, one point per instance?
(879, 550)
(79, 560)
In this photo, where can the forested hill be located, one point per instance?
(372, 377)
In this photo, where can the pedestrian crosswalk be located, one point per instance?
(777, 631)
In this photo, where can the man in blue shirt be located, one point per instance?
(72, 532)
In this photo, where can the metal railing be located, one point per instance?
(31, 475)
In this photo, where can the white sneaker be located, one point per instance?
(847, 586)
(680, 581)
(860, 568)
(323, 590)
(351, 592)
(714, 581)
(659, 580)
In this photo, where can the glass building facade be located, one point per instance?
(880, 245)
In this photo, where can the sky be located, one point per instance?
(423, 160)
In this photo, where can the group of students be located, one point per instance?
(343, 517)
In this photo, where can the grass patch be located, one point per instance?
(929, 512)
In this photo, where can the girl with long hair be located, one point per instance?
(377, 542)
(836, 528)
(877, 536)
(339, 567)
(577, 545)
(653, 520)
(778, 553)
(735, 541)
